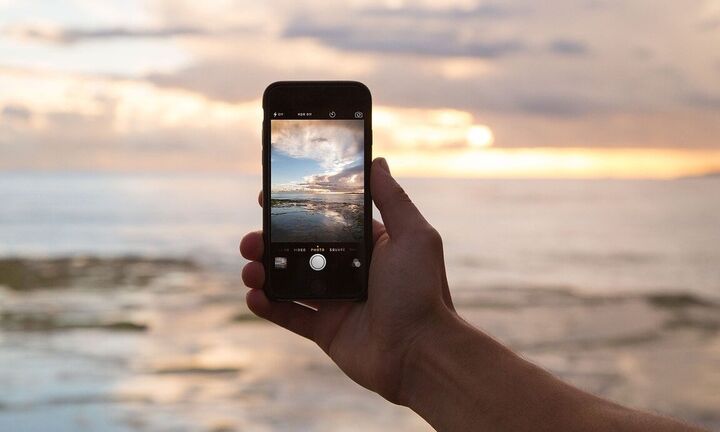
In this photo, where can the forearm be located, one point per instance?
(458, 378)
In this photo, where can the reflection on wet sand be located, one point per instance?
(315, 220)
(170, 346)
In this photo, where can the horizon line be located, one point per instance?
(241, 173)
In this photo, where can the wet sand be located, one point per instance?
(298, 220)
(133, 344)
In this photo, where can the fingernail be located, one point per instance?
(384, 165)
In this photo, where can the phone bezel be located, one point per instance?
(345, 97)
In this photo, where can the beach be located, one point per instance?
(316, 217)
(122, 309)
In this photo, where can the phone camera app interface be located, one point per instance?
(317, 203)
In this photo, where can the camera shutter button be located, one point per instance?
(317, 262)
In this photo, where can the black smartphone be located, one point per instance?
(317, 209)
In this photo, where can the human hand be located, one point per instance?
(407, 343)
(407, 295)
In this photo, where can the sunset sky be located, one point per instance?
(518, 88)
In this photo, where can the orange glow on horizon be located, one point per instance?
(557, 163)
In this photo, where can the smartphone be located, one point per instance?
(317, 209)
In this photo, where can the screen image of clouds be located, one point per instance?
(317, 180)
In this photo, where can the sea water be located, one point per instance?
(594, 236)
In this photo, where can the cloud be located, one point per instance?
(334, 144)
(68, 36)
(227, 80)
(60, 121)
(444, 42)
(704, 101)
(405, 54)
(568, 47)
(507, 92)
(350, 179)
(539, 75)
(550, 105)
(15, 112)
(477, 31)
(407, 83)
(709, 24)
(485, 11)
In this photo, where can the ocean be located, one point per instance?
(593, 236)
(122, 308)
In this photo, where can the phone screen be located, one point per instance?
(318, 213)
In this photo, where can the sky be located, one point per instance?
(317, 156)
(461, 88)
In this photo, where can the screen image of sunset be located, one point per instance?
(317, 180)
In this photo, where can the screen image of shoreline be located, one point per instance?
(317, 181)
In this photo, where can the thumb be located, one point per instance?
(399, 214)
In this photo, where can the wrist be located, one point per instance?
(437, 342)
(458, 378)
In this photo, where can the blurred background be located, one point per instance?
(568, 152)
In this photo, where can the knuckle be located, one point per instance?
(431, 236)
(401, 195)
